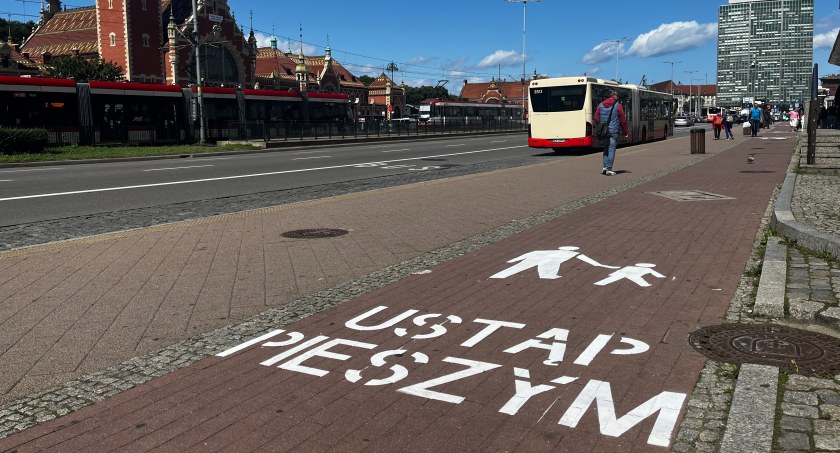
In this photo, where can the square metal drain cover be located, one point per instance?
(691, 195)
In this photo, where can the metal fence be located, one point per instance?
(275, 131)
(297, 130)
(119, 135)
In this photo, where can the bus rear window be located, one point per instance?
(558, 99)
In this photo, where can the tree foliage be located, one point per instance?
(366, 79)
(84, 69)
(413, 95)
(20, 30)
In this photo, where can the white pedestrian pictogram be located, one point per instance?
(632, 273)
(547, 262)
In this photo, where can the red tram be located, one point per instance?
(101, 112)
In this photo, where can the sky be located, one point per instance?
(432, 41)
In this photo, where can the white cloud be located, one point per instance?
(505, 58)
(285, 45)
(672, 38)
(602, 52)
(828, 22)
(368, 70)
(826, 39)
(421, 61)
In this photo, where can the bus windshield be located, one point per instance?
(558, 99)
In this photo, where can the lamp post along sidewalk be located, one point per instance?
(524, 35)
(202, 135)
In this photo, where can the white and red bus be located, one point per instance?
(560, 112)
(711, 112)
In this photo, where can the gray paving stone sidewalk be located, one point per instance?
(809, 412)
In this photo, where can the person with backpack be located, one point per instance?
(616, 123)
(717, 124)
(728, 120)
(755, 119)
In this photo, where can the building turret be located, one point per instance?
(172, 36)
(301, 73)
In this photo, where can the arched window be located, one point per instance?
(145, 40)
(143, 5)
(113, 39)
(110, 4)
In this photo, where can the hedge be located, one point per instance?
(21, 141)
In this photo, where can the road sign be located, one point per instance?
(215, 18)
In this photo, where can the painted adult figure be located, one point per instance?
(617, 124)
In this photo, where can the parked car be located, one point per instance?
(683, 120)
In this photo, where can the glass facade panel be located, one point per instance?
(765, 51)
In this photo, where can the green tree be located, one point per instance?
(413, 95)
(84, 69)
(366, 79)
(20, 30)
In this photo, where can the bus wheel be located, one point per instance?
(644, 134)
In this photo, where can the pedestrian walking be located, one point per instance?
(823, 117)
(755, 120)
(717, 124)
(728, 120)
(832, 116)
(793, 117)
(617, 124)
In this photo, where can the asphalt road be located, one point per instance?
(44, 204)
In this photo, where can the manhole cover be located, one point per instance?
(792, 350)
(314, 233)
(690, 195)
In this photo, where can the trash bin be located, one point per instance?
(747, 128)
(698, 140)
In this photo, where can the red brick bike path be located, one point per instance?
(234, 403)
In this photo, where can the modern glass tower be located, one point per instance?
(765, 51)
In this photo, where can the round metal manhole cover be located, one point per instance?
(795, 351)
(314, 233)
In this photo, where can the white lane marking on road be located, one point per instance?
(396, 150)
(309, 158)
(252, 175)
(459, 144)
(29, 169)
(6, 180)
(498, 141)
(308, 152)
(178, 168)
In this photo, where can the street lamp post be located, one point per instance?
(672, 63)
(524, 34)
(699, 101)
(689, 87)
(617, 46)
(202, 137)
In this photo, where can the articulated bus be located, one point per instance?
(560, 112)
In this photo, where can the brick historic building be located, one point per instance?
(151, 40)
